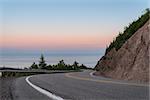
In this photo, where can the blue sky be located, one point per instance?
(77, 9)
(94, 22)
(62, 28)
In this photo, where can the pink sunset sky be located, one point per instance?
(57, 36)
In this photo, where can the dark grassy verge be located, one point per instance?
(16, 74)
(19, 74)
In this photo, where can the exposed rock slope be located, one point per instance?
(131, 61)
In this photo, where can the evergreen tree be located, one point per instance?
(42, 63)
(75, 65)
(49, 67)
(83, 67)
(61, 65)
(128, 31)
(34, 66)
(62, 62)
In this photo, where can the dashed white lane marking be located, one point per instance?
(47, 93)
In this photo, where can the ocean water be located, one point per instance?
(21, 59)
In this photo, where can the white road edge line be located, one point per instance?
(91, 74)
(47, 93)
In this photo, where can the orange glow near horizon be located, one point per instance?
(71, 41)
(57, 36)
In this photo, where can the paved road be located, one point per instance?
(77, 86)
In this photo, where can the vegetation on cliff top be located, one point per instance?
(128, 32)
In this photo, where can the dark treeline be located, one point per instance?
(128, 32)
(60, 66)
(7, 68)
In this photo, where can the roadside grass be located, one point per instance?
(19, 74)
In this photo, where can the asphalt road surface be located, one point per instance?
(76, 86)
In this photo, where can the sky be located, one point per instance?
(64, 24)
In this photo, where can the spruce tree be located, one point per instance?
(34, 66)
(42, 63)
(75, 65)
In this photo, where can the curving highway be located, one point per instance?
(76, 86)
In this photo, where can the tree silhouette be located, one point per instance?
(34, 66)
(83, 67)
(42, 63)
(60, 66)
(75, 65)
(62, 62)
(49, 67)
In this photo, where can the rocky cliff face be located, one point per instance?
(131, 61)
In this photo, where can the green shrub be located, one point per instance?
(128, 32)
